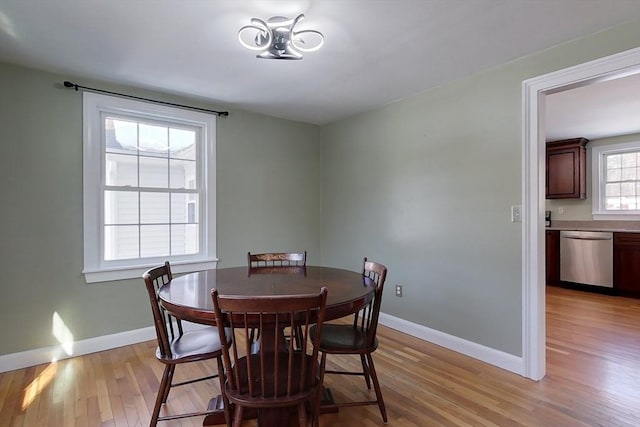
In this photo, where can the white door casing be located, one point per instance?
(533, 197)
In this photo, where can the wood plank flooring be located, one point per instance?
(593, 379)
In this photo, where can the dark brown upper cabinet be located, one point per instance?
(567, 169)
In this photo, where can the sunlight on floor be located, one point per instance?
(32, 391)
(65, 337)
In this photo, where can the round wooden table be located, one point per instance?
(188, 297)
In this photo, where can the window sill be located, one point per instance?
(136, 271)
(635, 216)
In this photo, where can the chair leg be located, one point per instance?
(376, 385)
(165, 384)
(315, 408)
(302, 415)
(365, 371)
(225, 402)
(237, 417)
(315, 422)
(172, 369)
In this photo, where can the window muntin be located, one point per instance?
(616, 181)
(146, 180)
(149, 188)
(622, 185)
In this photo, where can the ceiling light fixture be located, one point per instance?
(277, 39)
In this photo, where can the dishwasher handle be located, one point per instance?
(586, 238)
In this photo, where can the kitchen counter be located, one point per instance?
(614, 226)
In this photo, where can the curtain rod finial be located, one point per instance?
(69, 84)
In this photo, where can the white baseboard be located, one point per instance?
(10, 362)
(468, 348)
(38, 356)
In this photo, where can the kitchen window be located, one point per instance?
(149, 188)
(616, 181)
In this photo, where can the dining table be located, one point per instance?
(188, 297)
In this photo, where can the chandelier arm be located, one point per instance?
(264, 31)
(296, 20)
(304, 49)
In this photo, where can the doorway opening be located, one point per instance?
(533, 201)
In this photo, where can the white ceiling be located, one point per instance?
(599, 110)
(376, 51)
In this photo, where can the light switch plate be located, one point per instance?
(516, 214)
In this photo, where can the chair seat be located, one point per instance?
(279, 394)
(200, 344)
(337, 338)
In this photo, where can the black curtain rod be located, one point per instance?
(188, 107)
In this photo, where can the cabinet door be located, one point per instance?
(552, 258)
(561, 174)
(566, 169)
(626, 263)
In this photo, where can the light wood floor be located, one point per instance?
(593, 379)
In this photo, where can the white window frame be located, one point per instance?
(598, 181)
(96, 269)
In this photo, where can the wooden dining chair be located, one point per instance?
(272, 262)
(277, 259)
(176, 346)
(357, 338)
(278, 376)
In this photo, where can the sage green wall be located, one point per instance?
(425, 186)
(581, 210)
(268, 186)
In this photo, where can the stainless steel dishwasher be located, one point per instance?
(587, 257)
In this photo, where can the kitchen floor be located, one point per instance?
(593, 340)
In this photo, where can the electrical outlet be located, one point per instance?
(516, 214)
(398, 290)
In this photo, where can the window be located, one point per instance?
(616, 181)
(149, 188)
